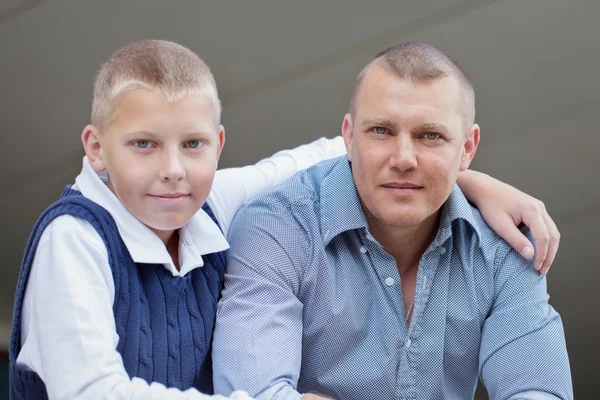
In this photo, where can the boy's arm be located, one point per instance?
(523, 353)
(233, 187)
(504, 208)
(501, 205)
(67, 316)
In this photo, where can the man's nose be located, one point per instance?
(403, 155)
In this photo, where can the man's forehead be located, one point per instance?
(383, 94)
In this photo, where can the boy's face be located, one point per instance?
(160, 157)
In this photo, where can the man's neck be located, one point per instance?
(406, 244)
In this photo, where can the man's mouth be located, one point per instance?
(402, 186)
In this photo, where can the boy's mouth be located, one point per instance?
(170, 198)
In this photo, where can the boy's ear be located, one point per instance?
(221, 134)
(90, 137)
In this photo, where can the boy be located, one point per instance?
(120, 279)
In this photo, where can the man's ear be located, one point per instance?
(90, 137)
(347, 134)
(469, 148)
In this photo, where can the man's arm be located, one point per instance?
(257, 341)
(523, 353)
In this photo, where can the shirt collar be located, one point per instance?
(341, 210)
(456, 207)
(198, 237)
(340, 206)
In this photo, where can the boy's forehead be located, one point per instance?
(150, 109)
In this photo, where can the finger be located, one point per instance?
(552, 246)
(539, 230)
(516, 239)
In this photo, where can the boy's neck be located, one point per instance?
(171, 241)
(173, 248)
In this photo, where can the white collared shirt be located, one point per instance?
(68, 330)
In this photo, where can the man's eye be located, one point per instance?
(431, 136)
(142, 144)
(194, 144)
(379, 130)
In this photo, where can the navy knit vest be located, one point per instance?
(164, 322)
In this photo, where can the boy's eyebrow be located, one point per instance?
(141, 133)
(154, 134)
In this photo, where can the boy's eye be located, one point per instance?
(195, 144)
(431, 136)
(142, 144)
(379, 130)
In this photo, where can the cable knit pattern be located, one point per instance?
(164, 322)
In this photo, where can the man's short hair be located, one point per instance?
(420, 62)
(159, 65)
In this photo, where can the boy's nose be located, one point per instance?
(173, 168)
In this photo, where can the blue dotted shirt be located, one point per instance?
(313, 303)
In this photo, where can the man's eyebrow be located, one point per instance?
(383, 122)
(431, 126)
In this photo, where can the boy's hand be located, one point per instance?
(504, 208)
(312, 396)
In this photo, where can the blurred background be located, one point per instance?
(285, 70)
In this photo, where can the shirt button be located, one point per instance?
(408, 343)
(442, 250)
(389, 281)
(363, 249)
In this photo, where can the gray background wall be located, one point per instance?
(285, 70)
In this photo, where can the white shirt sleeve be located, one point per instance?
(232, 187)
(68, 329)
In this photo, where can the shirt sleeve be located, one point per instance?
(257, 343)
(70, 337)
(233, 187)
(523, 354)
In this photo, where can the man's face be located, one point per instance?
(407, 142)
(161, 157)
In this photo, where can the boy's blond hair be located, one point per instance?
(157, 65)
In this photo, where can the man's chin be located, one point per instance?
(406, 218)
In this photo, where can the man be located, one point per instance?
(372, 277)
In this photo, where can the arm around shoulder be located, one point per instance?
(233, 187)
